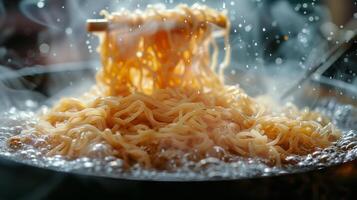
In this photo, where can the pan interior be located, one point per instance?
(24, 110)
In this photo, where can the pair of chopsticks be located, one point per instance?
(209, 17)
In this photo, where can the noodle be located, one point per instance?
(160, 98)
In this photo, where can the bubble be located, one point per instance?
(30, 103)
(88, 164)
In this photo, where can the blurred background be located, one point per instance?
(281, 38)
(52, 31)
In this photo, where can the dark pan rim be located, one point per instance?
(56, 171)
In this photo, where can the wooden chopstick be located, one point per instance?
(97, 25)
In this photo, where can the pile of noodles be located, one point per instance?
(158, 99)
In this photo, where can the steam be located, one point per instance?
(17, 92)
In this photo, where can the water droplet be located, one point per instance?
(139, 54)
(68, 31)
(278, 61)
(40, 4)
(248, 28)
(44, 48)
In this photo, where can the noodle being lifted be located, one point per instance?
(158, 100)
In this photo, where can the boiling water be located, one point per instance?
(344, 150)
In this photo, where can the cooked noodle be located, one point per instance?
(160, 98)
